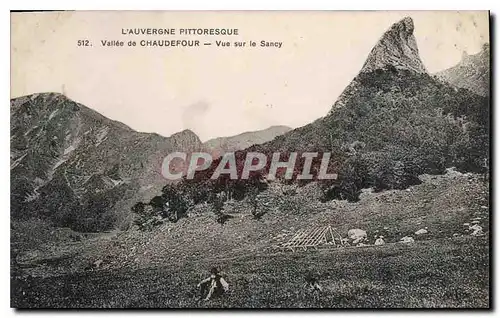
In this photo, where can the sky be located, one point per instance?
(219, 91)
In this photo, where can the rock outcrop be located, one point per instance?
(396, 48)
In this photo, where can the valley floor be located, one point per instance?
(436, 273)
(447, 267)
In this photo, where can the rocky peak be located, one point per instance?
(186, 133)
(397, 48)
(186, 140)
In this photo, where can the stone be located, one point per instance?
(379, 241)
(407, 239)
(421, 231)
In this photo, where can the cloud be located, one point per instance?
(193, 115)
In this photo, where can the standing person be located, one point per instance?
(215, 284)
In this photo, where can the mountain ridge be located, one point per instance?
(79, 168)
(245, 139)
(472, 72)
(82, 170)
(393, 122)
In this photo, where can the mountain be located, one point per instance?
(80, 169)
(244, 140)
(395, 121)
(186, 140)
(396, 48)
(472, 72)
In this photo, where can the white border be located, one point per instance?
(197, 5)
(252, 5)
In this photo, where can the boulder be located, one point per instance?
(356, 235)
(421, 231)
(379, 241)
(407, 239)
(477, 230)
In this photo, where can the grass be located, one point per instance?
(445, 273)
(160, 269)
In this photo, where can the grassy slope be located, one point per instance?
(435, 273)
(161, 268)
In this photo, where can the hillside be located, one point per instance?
(472, 72)
(170, 260)
(79, 169)
(392, 123)
(226, 144)
(395, 121)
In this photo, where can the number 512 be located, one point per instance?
(83, 43)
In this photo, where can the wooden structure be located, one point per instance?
(314, 237)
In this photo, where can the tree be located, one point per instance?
(254, 203)
(218, 207)
(138, 208)
(171, 205)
